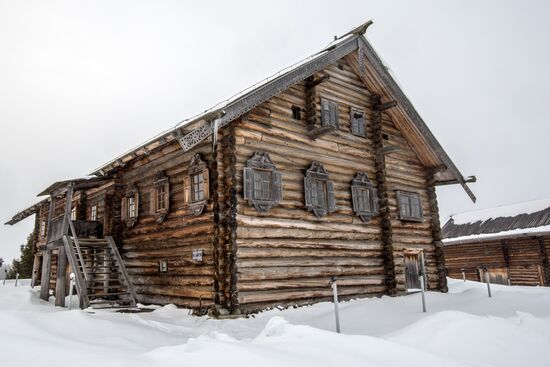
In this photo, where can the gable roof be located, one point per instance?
(527, 218)
(26, 212)
(355, 48)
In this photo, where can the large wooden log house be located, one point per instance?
(325, 169)
(511, 243)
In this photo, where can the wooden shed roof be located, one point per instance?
(526, 218)
(26, 212)
(358, 52)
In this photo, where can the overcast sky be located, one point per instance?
(83, 81)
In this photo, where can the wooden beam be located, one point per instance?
(316, 82)
(46, 271)
(61, 279)
(545, 261)
(387, 105)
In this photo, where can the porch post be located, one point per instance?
(46, 270)
(61, 280)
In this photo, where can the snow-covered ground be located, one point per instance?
(461, 328)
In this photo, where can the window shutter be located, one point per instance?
(186, 190)
(354, 124)
(354, 197)
(330, 197)
(206, 176)
(248, 183)
(137, 204)
(374, 195)
(167, 191)
(153, 200)
(277, 187)
(124, 209)
(325, 112)
(334, 114)
(307, 191)
(415, 207)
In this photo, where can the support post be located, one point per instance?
(422, 286)
(71, 287)
(463, 274)
(383, 199)
(335, 297)
(16, 278)
(46, 271)
(61, 280)
(487, 281)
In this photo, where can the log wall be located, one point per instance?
(522, 258)
(287, 255)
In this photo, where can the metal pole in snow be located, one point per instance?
(71, 285)
(335, 295)
(487, 281)
(422, 291)
(16, 278)
(463, 274)
(5, 276)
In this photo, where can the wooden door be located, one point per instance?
(412, 279)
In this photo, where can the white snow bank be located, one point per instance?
(461, 328)
(512, 210)
(502, 234)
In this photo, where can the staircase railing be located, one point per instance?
(122, 267)
(78, 249)
(80, 283)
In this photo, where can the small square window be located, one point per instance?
(42, 228)
(163, 266)
(132, 207)
(197, 188)
(161, 198)
(409, 206)
(329, 113)
(357, 120)
(73, 213)
(296, 113)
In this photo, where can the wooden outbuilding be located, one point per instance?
(510, 242)
(323, 170)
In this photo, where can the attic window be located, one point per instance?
(73, 213)
(385, 136)
(318, 191)
(196, 185)
(363, 194)
(296, 113)
(262, 182)
(357, 120)
(409, 205)
(329, 114)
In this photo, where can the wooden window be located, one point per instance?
(129, 207)
(73, 213)
(296, 113)
(262, 183)
(160, 197)
(357, 120)
(196, 185)
(319, 191)
(42, 228)
(364, 197)
(93, 212)
(409, 206)
(329, 114)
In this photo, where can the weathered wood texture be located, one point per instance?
(288, 255)
(523, 258)
(187, 282)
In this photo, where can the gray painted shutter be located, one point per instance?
(331, 205)
(325, 112)
(354, 195)
(415, 207)
(307, 191)
(186, 190)
(334, 114)
(277, 187)
(248, 183)
(374, 196)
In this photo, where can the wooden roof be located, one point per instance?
(522, 218)
(355, 48)
(26, 212)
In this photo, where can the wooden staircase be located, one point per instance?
(101, 279)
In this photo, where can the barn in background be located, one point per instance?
(512, 242)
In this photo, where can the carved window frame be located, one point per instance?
(129, 216)
(257, 166)
(357, 122)
(197, 169)
(364, 197)
(329, 114)
(161, 186)
(42, 228)
(315, 176)
(406, 201)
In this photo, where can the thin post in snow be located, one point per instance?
(71, 286)
(335, 295)
(5, 276)
(488, 282)
(463, 274)
(16, 278)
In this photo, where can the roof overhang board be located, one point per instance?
(25, 213)
(404, 115)
(259, 95)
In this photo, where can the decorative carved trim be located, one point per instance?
(260, 161)
(160, 180)
(359, 183)
(197, 166)
(314, 174)
(195, 137)
(131, 192)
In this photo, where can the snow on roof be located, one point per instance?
(531, 231)
(527, 207)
